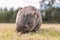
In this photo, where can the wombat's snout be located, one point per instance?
(26, 25)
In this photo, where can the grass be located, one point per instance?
(46, 32)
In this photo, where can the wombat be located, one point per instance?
(28, 19)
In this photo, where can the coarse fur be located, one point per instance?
(28, 19)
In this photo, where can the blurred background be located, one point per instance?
(50, 9)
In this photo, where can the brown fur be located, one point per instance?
(28, 19)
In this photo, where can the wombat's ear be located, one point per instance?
(33, 13)
(20, 8)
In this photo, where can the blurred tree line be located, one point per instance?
(49, 14)
(7, 16)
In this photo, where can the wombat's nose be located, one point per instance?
(26, 25)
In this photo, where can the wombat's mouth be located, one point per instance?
(27, 27)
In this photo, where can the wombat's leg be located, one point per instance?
(18, 29)
(37, 27)
(24, 31)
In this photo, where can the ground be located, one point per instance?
(46, 32)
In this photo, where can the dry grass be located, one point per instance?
(47, 32)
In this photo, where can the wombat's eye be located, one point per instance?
(32, 16)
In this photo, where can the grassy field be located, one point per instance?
(46, 32)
